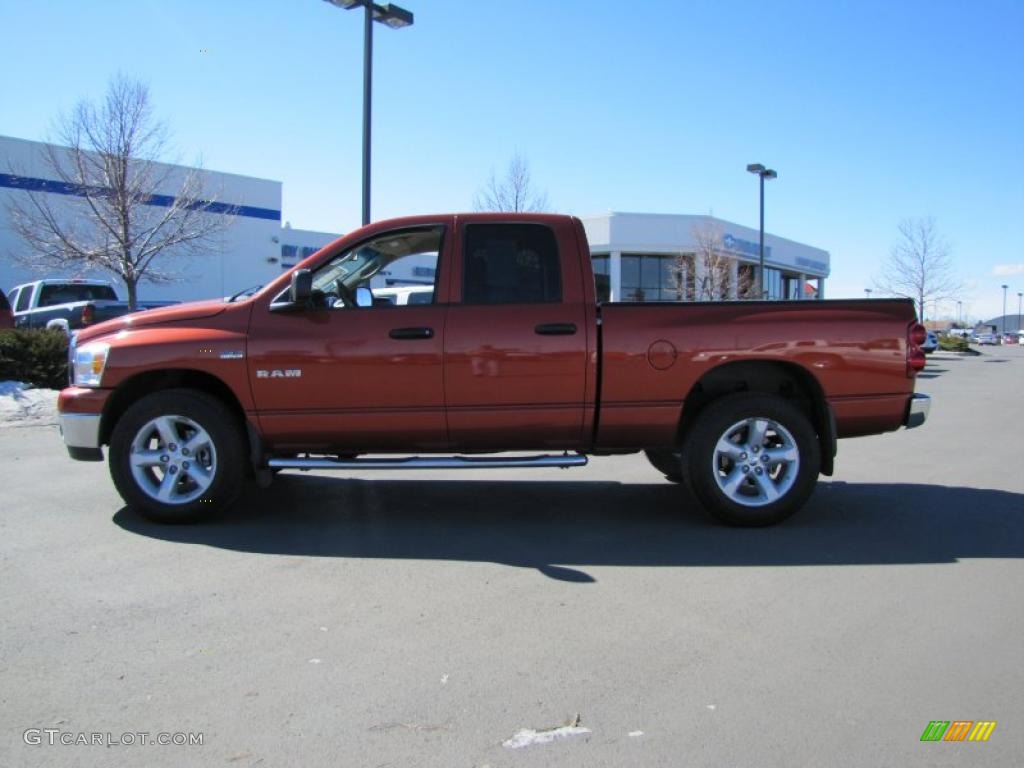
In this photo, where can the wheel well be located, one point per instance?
(787, 380)
(135, 388)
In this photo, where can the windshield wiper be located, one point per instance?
(245, 292)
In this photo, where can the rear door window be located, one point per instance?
(511, 264)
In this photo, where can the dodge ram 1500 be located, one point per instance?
(740, 401)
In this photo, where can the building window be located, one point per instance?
(792, 287)
(652, 277)
(773, 283)
(602, 276)
(289, 256)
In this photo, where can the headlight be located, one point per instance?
(88, 364)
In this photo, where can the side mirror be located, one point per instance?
(364, 297)
(301, 288)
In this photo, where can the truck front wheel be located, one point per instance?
(751, 459)
(177, 456)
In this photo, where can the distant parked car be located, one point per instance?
(1009, 338)
(6, 316)
(1020, 338)
(931, 343)
(985, 339)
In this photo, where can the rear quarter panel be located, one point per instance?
(654, 354)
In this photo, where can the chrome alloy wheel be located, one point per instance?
(756, 462)
(173, 459)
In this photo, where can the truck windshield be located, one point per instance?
(66, 293)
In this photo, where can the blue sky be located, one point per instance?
(870, 111)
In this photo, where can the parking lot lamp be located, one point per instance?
(1019, 294)
(867, 293)
(763, 173)
(396, 18)
(959, 313)
(1004, 311)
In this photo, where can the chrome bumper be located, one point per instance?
(917, 411)
(81, 433)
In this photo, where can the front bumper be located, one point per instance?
(917, 410)
(81, 433)
(80, 415)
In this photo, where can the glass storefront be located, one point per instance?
(773, 283)
(602, 276)
(652, 277)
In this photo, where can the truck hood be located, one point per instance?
(176, 313)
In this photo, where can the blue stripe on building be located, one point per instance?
(11, 181)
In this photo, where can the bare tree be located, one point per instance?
(514, 192)
(711, 266)
(117, 214)
(919, 266)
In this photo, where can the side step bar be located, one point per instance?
(433, 462)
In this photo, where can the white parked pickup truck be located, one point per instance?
(69, 304)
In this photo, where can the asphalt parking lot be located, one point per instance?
(425, 619)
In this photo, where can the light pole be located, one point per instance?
(763, 173)
(1004, 313)
(867, 293)
(1019, 329)
(959, 313)
(396, 18)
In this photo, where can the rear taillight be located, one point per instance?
(917, 335)
(88, 314)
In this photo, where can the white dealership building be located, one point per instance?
(667, 257)
(637, 256)
(252, 250)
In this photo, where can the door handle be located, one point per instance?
(411, 333)
(555, 329)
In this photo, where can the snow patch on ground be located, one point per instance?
(528, 737)
(22, 405)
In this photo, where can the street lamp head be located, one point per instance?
(1005, 287)
(394, 16)
(759, 170)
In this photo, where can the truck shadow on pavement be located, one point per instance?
(553, 526)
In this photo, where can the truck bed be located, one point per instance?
(653, 355)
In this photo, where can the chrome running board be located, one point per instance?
(433, 462)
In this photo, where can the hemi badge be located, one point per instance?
(233, 355)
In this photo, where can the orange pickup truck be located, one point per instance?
(742, 402)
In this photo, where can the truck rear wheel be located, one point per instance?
(751, 459)
(177, 456)
(669, 463)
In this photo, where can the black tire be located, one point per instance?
(749, 501)
(221, 456)
(669, 463)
